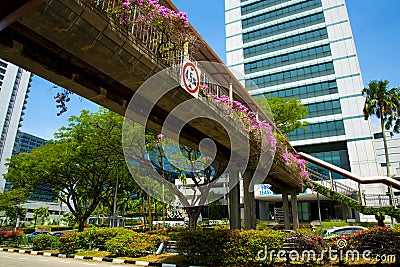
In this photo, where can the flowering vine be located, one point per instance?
(146, 16)
(257, 129)
(261, 129)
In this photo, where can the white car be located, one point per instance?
(344, 230)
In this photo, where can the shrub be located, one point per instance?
(41, 242)
(68, 243)
(224, 247)
(132, 244)
(381, 240)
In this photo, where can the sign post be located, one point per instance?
(190, 78)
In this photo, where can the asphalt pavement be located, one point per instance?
(8, 259)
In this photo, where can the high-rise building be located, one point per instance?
(25, 142)
(304, 49)
(14, 89)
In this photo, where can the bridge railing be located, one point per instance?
(131, 19)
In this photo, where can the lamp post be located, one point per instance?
(115, 202)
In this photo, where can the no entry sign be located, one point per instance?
(190, 78)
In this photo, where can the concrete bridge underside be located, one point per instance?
(78, 47)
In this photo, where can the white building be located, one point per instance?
(14, 89)
(393, 143)
(305, 49)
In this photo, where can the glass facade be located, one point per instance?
(318, 130)
(286, 42)
(307, 91)
(287, 59)
(293, 75)
(291, 49)
(283, 27)
(280, 13)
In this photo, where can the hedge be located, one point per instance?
(228, 248)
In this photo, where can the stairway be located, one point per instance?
(355, 198)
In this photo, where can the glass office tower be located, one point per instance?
(304, 49)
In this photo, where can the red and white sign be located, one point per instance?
(190, 78)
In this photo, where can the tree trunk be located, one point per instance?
(149, 212)
(385, 146)
(193, 213)
(144, 214)
(81, 224)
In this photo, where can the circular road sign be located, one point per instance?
(190, 78)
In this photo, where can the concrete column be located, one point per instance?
(234, 201)
(295, 210)
(262, 206)
(286, 218)
(249, 203)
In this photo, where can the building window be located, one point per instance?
(284, 27)
(324, 108)
(287, 42)
(259, 5)
(307, 91)
(281, 13)
(318, 130)
(290, 76)
(287, 59)
(378, 136)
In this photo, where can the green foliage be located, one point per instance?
(119, 241)
(41, 214)
(227, 248)
(41, 242)
(133, 244)
(287, 113)
(68, 243)
(81, 165)
(12, 198)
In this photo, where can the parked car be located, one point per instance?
(38, 233)
(344, 230)
(58, 234)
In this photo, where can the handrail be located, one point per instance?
(362, 180)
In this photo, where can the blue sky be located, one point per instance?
(376, 30)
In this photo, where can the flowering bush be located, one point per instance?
(13, 236)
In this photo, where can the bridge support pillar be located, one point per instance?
(249, 202)
(286, 217)
(295, 212)
(234, 201)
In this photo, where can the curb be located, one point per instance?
(111, 260)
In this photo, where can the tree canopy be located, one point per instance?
(81, 164)
(287, 113)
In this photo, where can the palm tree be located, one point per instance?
(385, 105)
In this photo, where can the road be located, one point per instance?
(8, 259)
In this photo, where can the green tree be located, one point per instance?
(385, 105)
(41, 214)
(14, 214)
(81, 165)
(287, 113)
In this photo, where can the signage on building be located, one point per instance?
(265, 190)
(190, 78)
